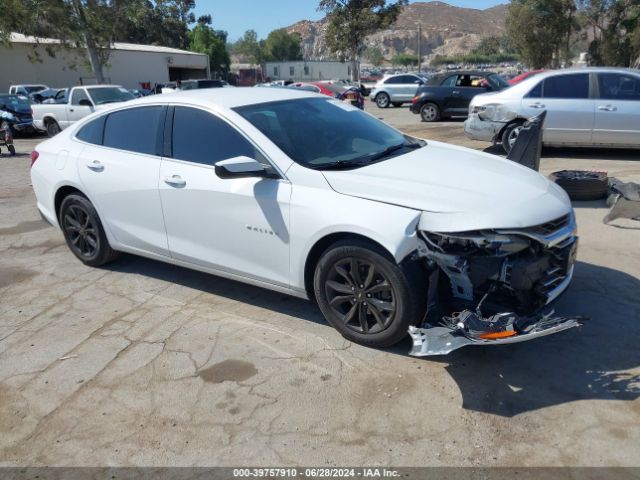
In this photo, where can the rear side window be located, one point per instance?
(134, 130)
(567, 86)
(393, 80)
(92, 131)
(617, 86)
(201, 137)
(450, 81)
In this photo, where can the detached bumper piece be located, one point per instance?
(469, 328)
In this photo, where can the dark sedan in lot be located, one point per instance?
(449, 94)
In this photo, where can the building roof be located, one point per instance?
(20, 38)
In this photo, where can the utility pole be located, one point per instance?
(419, 47)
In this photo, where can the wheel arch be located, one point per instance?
(321, 246)
(62, 192)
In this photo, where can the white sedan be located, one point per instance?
(303, 194)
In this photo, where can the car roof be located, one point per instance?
(228, 97)
(533, 80)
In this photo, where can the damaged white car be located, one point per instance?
(306, 195)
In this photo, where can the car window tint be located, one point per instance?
(450, 81)
(536, 92)
(393, 80)
(617, 86)
(201, 137)
(135, 129)
(92, 131)
(78, 94)
(567, 86)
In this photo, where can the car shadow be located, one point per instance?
(591, 153)
(588, 363)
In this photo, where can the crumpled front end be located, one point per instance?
(491, 287)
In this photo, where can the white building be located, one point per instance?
(307, 70)
(129, 64)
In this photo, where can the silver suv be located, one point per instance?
(396, 89)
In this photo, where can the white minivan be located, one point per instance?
(587, 107)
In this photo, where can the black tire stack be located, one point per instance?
(582, 184)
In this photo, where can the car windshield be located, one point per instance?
(497, 82)
(327, 134)
(14, 102)
(103, 95)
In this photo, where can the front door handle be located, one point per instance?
(96, 166)
(607, 108)
(536, 105)
(175, 181)
(456, 92)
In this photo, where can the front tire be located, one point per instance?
(83, 231)
(367, 297)
(382, 100)
(510, 136)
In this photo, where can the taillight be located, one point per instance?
(34, 157)
(415, 99)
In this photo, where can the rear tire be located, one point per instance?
(53, 128)
(383, 100)
(83, 231)
(430, 112)
(582, 185)
(12, 150)
(370, 307)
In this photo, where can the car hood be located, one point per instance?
(458, 189)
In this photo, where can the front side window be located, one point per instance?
(574, 86)
(618, 86)
(78, 95)
(321, 134)
(134, 130)
(201, 137)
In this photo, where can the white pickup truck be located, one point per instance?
(82, 101)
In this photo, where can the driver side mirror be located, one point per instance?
(85, 103)
(243, 167)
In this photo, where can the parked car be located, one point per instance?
(586, 107)
(48, 94)
(20, 108)
(395, 89)
(320, 200)
(523, 76)
(82, 101)
(339, 90)
(25, 90)
(448, 94)
(204, 83)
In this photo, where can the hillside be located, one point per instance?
(446, 30)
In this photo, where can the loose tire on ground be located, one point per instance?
(430, 112)
(83, 231)
(388, 299)
(382, 100)
(582, 184)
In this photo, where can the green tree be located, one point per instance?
(540, 30)
(250, 48)
(204, 39)
(375, 55)
(404, 59)
(351, 21)
(281, 45)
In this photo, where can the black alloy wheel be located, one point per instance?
(361, 296)
(365, 295)
(83, 231)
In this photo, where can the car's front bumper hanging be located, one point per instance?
(471, 329)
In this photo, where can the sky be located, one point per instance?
(263, 16)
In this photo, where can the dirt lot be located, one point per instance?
(143, 363)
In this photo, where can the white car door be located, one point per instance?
(569, 105)
(240, 225)
(120, 175)
(79, 107)
(617, 119)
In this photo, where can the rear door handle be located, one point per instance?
(96, 166)
(536, 105)
(175, 181)
(607, 108)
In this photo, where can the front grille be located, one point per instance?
(560, 264)
(551, 227)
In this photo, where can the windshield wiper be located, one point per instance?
(339, 165)
(393, 148)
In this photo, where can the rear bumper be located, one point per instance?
(477, 129)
